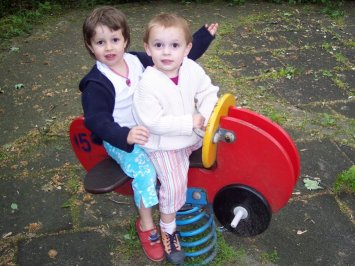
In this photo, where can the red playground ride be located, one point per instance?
(247, 167)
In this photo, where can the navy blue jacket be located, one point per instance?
(98, 96)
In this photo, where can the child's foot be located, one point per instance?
(150, 242)
(172, 248)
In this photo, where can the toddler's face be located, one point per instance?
(108, 45)
(167, 47)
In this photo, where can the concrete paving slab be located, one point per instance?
(348, 76)
(348, 202)
(319, 108)
(37, 210)
(349, 28)
(50, 155)
(312, 59)
(349, 53)
(261, 41)
(295, 233)
(81, 248)
(111, 208)
(348, 151)
(307, 89)
(253, 64)
(345, 108)
(313, 37)
(321, 159)
(44, 70)
(275, 24)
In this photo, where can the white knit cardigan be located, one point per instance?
(166, 109)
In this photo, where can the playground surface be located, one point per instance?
(291, 63)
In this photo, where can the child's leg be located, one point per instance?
(146, 221)
(172, 168)
(138, 166)
(168, 222)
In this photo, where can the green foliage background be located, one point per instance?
(11, 7)
(19, 16)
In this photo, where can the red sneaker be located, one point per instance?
(150, 242)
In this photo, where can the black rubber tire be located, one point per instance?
(259, 212)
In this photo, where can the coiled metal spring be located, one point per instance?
(197, 228)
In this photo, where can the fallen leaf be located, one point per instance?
(87, 198)
(14, 206)
(300, 232)
(6, 235)
(34, 227)
(52, 253)
(14, 49)
(311, 184)
(24, 163)
(19, 86)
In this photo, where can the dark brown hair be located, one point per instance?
(108, 16)
(168, 20)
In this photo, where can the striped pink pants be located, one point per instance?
(172, 167)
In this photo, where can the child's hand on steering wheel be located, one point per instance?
(138, 135)
(198, 121)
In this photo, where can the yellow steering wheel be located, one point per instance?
(209, 148)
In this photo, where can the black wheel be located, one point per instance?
(259, 212)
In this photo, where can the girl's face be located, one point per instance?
(108, 46)
(167, 47)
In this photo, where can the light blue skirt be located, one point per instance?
(136, 164)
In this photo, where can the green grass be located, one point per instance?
(269, 257)
(72, 185)
(327, 73)
(333, 9)
(327, 46)
(339, 57)
(349, 43)
(3, 155)
(130, 244)
(345, 181)
(275, 116)
(288, 72)
(341, 84)
(327, 120)
(284, 72)
(22, 21)
(227, 255)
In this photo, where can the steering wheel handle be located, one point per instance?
(209, 146)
